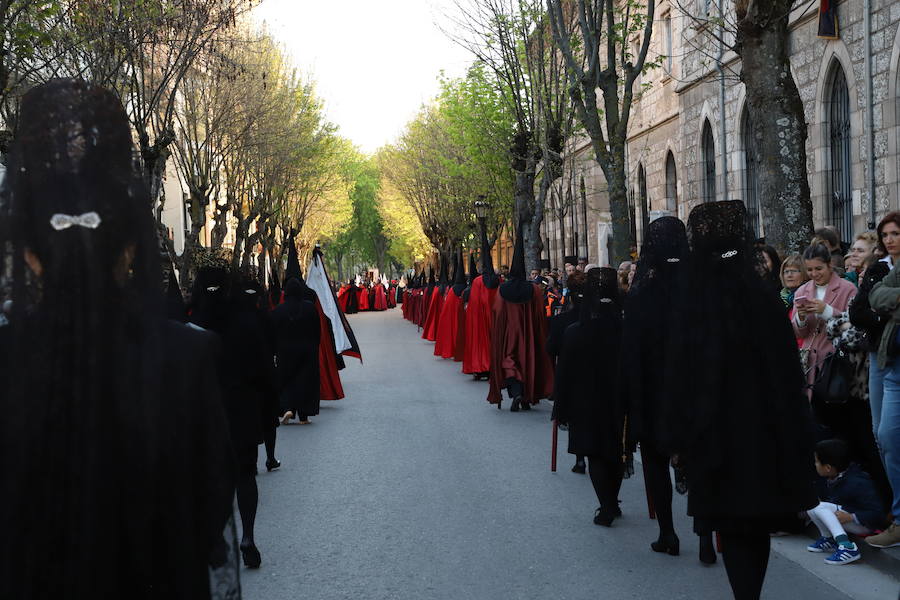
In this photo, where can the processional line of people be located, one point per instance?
(132, 419)
(696, 364)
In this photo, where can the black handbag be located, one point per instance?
(833, 378)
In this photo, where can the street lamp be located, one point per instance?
(481, 209)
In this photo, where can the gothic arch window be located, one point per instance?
(708, 153)
(838, 177)
(671, 184)
(751, 172)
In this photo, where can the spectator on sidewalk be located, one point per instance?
(793, 275)
(848, 503)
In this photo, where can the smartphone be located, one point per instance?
(800, 301)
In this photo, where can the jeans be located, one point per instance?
(886, 418)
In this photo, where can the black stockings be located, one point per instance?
(746, 558)
(269, 439)
(659, 486)
(247, 498)
(606, 477)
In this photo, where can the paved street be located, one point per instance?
(413, 487)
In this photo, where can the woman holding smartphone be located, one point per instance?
(824, 296)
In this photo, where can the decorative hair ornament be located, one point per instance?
(90, 220)
(605, 300)
(673, 260)
(730, 254)
(212, 288)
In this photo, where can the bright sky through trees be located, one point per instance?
(374, 61)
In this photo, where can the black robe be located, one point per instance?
(586, 386)
(297, 330)
(352, 300)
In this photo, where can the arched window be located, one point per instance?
(839, 183)
(751, 173)
(671, 184)
(708, 152)
(643, 199)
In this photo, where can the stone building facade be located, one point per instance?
(675, 149)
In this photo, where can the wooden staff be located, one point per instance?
(553, 449)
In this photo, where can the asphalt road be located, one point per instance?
(414, 487)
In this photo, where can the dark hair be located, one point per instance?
(834, 453)
(772, 253)
(829, 235)
(817, 251)
(891, 217)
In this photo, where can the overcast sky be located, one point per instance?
(375, 61)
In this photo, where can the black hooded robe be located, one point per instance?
(298, 331)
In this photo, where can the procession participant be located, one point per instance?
(448, 324)
(129, 416)
(246, 376)
(557, 326)
(438, 293)
(586, 391)
(329, 379)
(735, 401)
(352, 298)
(480, 317)
(248, 297)
(380, 296)
(459, 350)
(427, 293)
(363, 295)
(519, 360)
(341, 333)
(298, 333)
(645, 340)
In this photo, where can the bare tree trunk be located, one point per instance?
(778, 123)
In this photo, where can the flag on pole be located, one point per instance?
(828, 21)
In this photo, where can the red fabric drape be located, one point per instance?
(342, 298)
(433, 317)
(445, 340)
(364, 299)
(517, 349)
(380, 298)
(479, 319)
(330, 387)
(459, 346)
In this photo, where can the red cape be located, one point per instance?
(380, 298)
(518, 349)
(342, 297)
(330, 387)
(364, 299)
(424, 301)
(479, 318)
(434, 315)
(447, 325)
(459, 348)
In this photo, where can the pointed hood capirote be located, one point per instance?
(459, 281)
(444, 279)
(473, 268)
(490, 278)
(517, 289)
(293, 269)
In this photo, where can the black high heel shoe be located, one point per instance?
(250, 554)
(515, 404)
(272, 465)
(669, 544)
(707, 550)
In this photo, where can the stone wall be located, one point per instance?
(670, 113)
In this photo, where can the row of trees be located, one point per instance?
(547, 73)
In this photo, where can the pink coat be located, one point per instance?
(838, 295)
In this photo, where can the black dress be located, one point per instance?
(149, 524)
(586, 394)
(297, 330)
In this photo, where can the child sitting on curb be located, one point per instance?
(848, 503)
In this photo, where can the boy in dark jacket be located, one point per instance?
(848, 503)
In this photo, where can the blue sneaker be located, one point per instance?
(844, 555)
(823, 544)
